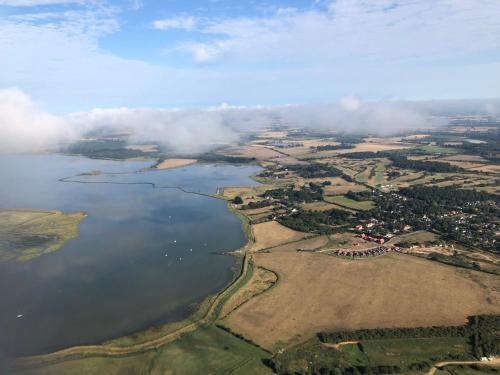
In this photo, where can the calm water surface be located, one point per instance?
(144, 255)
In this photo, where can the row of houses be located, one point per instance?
(375, 251)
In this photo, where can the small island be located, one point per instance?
(174, 163)
(26, 234)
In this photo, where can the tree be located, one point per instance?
(238, 200)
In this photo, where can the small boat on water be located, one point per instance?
(19, 316)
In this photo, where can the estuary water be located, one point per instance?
(144, 256)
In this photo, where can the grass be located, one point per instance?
(380, 172)
(433, 149)
(208, 350)
(341, 200)
(354, 355)
(404, 355)
(418, 236)
(400, 352)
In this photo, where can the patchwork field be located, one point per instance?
(317, 292)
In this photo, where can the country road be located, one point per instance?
(495, 361)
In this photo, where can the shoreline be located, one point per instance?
(206, 312)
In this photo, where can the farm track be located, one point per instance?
(495, 362)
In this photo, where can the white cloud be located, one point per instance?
(350, 103)
(183, 131)
(371, 30)
(25, 127)
(373, 49)
(182, 22)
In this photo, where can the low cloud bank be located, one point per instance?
(25, 127)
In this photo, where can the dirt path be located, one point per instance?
(493, 362)
(340, 344)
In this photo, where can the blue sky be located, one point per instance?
(74, 55)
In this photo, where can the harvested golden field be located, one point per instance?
(272, 234)
(379, 145)
(317, 292)
(463, 164)
(257, 211)
(175, 163)
(252, 151)
(246, 192)
(273, 134)
(465, 157)
(313, 243)
(491, 168)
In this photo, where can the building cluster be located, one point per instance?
(367, 237)
(375, 251)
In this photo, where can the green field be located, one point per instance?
(209, 350)
(401, 352)
(379, 172)
(413, 237)
(374, 356)
(433, 149)
(341, 200)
